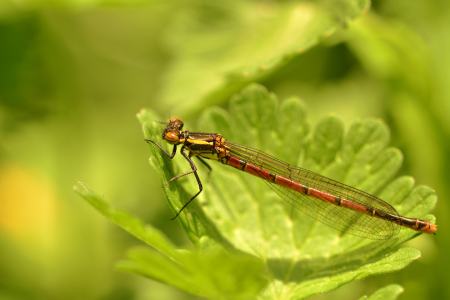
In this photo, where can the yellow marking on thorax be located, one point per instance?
(199, 142)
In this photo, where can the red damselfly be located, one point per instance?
(335, 204)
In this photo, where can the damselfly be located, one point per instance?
(335, 204)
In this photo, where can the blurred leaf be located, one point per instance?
(390, 292)
(384, 49)
(303, 256)
(219, 47)
(204, 274)
(218, 275)
(133, 225)
(24, 81)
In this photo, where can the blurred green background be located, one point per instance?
(73, 75)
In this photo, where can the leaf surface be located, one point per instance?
(219, 47)
(194, 272)
(237, 210)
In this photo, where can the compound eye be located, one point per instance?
(172, 138)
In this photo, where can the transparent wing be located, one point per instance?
(340, 218)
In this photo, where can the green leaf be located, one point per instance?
(239, 211)
(133, 225)
(218, 47)
(201, 275)
(390, 292)
(194, 272)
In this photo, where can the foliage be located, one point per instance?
(210, 44)
(238, 214)
(387, 293)
(74, 72)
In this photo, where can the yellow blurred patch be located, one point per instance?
(27, 205)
